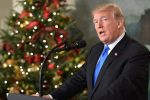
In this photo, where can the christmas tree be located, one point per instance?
(31, 34)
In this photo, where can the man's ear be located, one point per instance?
(120, 23)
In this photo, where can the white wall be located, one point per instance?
(5, 6)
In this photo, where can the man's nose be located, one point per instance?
(100, 25)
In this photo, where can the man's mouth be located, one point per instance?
(102, 32)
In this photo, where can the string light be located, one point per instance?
(66, 69)
(42, 56)
(30, 37)
(22, 91)
(21, 25)
(42, 20)
(17, 82)
(71, 73)
(54, 13)
(7, 94)
(24, 3)
(61, 36)
(60, 83)
(44, 86)
(27, 73)
(45, 81)
(37, 69)
(22, 41)
(75, 66)
(49, 19)
(56, 86)
(20, 67)
(31, 54)
(35, 27)
(46, 46)
(9, 53)
(51, 33)
(18, 23)
(23, 73)
(14, 14)
(30, 14)
(30, 43)
(29, 70)
(21, 70)
(57, 66)
(4, 65)
(22, 61)
(33, 7)
(56, 26)
(26, 22)
(18, 45)
(5, 82)
(56, 57)
(33, 45)
(12, 33)
(49, 61)
(16, 31)
(44, 41)
(39, 16)
(58, 13)
(79, 65)
(33, 30)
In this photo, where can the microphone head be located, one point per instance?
(76, 45)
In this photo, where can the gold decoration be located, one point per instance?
(30, 1)
(18, 73)
(33, 68)
(14, 89)
(56, 78)
(11, 62)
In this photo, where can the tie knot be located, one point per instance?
(105, 50)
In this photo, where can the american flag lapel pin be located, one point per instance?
(116, 54)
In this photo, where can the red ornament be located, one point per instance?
(34, 23)
(38, 4)
(46, 12)
(59, 72)
(37, 58)
(58, 38)
(35, 37)
(56, 3)
(21, 46)
(29, 58)
(23, 14)
(8, 47)
(51, 66)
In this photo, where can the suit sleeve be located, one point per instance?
(71, 86)
(133, 80)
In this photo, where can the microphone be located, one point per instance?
(76, 45)
(67, 47)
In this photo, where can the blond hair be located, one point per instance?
(118, 14)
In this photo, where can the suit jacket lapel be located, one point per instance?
(97, 51)
(114, 53)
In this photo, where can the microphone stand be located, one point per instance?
(43, 66)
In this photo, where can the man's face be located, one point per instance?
(106, 25)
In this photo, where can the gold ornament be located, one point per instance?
(14, 89)
(30, 1)
(18, 73)
(33, 68)
(11, 62)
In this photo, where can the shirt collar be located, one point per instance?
(112, 45)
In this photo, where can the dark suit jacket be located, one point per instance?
(124, 75)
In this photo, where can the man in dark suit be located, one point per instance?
(125, 70)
